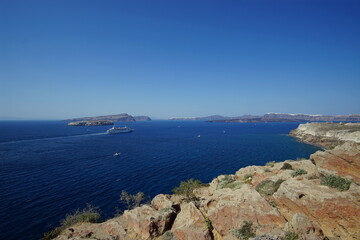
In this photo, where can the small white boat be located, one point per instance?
(117, 154)
(115, 130)
(199, 135)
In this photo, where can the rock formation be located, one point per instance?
(286, 200)
(327, 135)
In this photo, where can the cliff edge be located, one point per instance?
(315, 199)
(327, 135)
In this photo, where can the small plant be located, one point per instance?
(336, 182)
(270, 164)
(291, 236)
(249, 175)
(268, 187)
(298, 172)
(286, 166)
(267, 170)
(225, 182)
(248, 178)
(132, 201)
(187, 187)
(208, 223)
(88, 214)
(273, 203)
(245, 232)
(234, 185)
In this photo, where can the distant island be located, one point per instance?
(276, 117)
(91, 123)
(142, 118)
(105, 120)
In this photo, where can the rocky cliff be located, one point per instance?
(316, 198)
(327, 135)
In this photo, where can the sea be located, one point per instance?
(49, 169)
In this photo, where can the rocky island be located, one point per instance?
(90, 123)
(105, 120)
(123, 117)
(316, 199)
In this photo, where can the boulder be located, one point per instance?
(146, 222)
(190, 224)
(228, 209)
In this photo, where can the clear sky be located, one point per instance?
(72, 58)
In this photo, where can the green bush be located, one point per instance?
(225, 182)
(335, 182)
(298, 172)
(267, 170)
(89, 214)
(132, 201)
(270, 164)
(286, 166)
(187, 187)
(291, 236)
(208, 223)
(268, 187)
(234, 185)
(249, 175)
(245, 232)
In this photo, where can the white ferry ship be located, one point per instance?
(115, 130)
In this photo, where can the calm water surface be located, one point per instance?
(48, 169)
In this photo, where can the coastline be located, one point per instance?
(279, 199)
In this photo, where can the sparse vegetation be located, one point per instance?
(225, 182)
(267, 170)
(89, 214)
(245, 232)
(234, 185)
(208, 223)
(249, 175)
(229, 182)
(291, 236)
(298, 172)
(132, 201)
(268, 187)
(270, 164)
(187, 187)
(335, 182)
(286, 166)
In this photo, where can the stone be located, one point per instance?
(336, 213)
(190, 224)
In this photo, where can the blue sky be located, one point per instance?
(72, 58)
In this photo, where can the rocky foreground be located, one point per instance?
(316, 198)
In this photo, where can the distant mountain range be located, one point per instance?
(123, 117)
(276, 117)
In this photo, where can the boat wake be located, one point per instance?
(52, 138)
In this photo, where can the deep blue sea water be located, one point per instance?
(48, 169)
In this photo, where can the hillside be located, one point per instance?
(315, 198)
